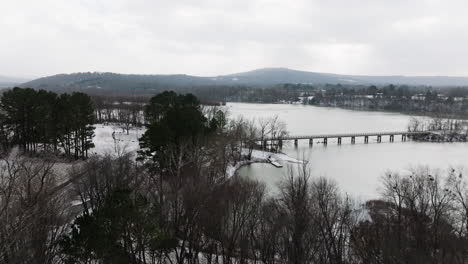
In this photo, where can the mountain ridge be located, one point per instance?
(263, 77)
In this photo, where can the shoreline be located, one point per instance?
(463, 117)
(259, 156)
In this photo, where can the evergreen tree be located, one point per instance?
(43, 121)
(174, 122)
(82, 114)
(123, 230)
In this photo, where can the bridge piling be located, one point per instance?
(366, 139)
(353, 140)
(311, 142)
(379, 139)
(392, 138)
(339, 141)
(325, 140)
(295, 143)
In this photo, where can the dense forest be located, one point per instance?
(45, 121)
(176, 204)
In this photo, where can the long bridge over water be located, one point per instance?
(352, 136)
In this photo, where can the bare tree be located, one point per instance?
(336, 217)
(33, 212)
(263, 129)
(300, 234)
(277, 130)
(415, 124)
(413, 222)
(126, 117)
(250, 135)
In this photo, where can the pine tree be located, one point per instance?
(43, 121)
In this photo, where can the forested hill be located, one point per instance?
(103, 83)
(132, 83)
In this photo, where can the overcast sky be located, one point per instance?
(211, 37)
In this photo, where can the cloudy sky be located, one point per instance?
(211, 37)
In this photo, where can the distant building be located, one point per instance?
(418, 97)
(442, 97)
(379, 95)
(303, 99)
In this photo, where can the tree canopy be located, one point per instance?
(175, 125)
(38, 120)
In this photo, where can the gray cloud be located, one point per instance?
(209, 37)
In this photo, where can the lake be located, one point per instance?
(358, 168)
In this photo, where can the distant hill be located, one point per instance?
(113, 82)
(126, 83)
(271, 76)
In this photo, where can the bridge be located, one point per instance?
(404, 135)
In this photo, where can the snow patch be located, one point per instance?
(259, 156)
(264, 155)
(113, 140)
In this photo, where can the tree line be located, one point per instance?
(446, 101)
(176, 204)
(127, 111)
(39, 120)
(450, 101)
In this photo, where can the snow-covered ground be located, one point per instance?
(105, 143)
(257, 154)
(260, 156)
